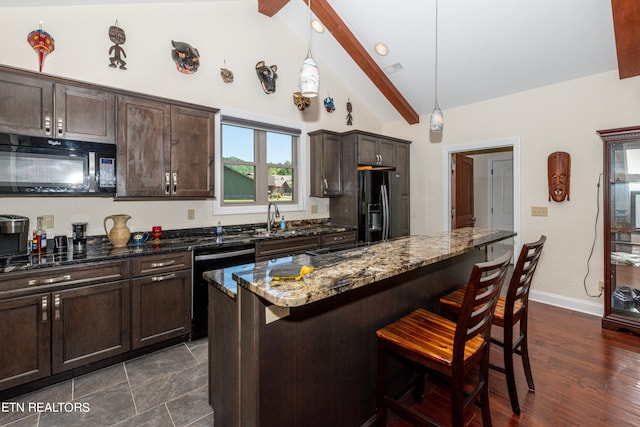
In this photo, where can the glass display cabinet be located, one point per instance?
(621, 228)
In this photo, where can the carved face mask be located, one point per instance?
(186, 57)
(558, 173)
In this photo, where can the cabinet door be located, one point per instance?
(143, 148)
(25, 334)
(89, 324)
(402, 167)
(26, 105)
(192, 144)
(368, 150)
(161, 307)
(84, 114)
(331, 165)
(386, 152)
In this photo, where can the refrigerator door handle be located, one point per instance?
(385, 212)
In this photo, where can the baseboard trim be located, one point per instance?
(595, 309)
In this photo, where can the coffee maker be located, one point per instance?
(79, 236)
(14, 235)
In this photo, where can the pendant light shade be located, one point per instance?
(309, 74)
(437, 118)
(309, 77)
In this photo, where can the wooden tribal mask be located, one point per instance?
(558, 173)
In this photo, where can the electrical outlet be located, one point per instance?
(539, 211)
(314, 208)
(191, 214)
(47, 221)
(601, 285)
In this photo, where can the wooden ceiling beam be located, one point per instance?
(336, 26)
(271, 7)
(626, 24)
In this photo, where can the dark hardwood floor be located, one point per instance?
(584, 375)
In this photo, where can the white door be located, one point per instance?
(501, 210)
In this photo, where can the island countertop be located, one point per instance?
(342, 271)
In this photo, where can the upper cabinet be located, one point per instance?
(374, 150)
(326, 171)
(164, 150)
(37, 106)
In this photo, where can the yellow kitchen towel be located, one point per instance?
(289, 271)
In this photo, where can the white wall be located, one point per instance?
(231, 31)
(561, 117)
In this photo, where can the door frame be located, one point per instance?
(514, 143)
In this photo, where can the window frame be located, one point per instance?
(299, 154)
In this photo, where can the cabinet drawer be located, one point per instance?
(279, 248)
(51, 278)
(335, 239)
(153, 264)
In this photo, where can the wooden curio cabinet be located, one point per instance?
(621, 228)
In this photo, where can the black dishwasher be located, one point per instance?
(206, 259)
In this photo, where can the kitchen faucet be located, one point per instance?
(272, 219)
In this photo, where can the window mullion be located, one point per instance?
(262, 182)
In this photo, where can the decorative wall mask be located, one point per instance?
(559, 172)
(185, 56)
(267, 76)
(328, 104)
(118, 37)
(349, 111)
(42, 43)
(226, 74)
(301, 102)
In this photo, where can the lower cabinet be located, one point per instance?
(79, 315)
(160, 298)
(272, 249)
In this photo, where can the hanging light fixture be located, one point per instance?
(437, 118)
(309, 75)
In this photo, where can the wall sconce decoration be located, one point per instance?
(328, 104)
(267, 76)
(186, 57)
(349, 111)
(118, 37)
(301, 101)
(559, 174)
(42, 43)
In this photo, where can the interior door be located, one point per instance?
(462, 214)
(501, 202)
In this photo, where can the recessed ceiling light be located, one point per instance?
(393, 68)
(381, 49)
(317, 26)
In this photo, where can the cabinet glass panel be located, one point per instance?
(625, 228)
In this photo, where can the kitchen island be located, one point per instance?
(291, 353)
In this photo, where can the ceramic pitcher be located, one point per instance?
(119, 234)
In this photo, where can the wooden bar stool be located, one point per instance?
(446, 348)
(511, 309)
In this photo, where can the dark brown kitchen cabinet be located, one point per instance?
(57, 319)
(375, 150)
(326, 167)
(164, 150)
(278, 248)
(35, 105)
(160, 298)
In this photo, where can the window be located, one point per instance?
(259, 164)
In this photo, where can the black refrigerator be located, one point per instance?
(377, 205)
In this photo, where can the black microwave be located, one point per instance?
(36, 165)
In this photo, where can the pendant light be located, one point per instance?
(437, 118)
(309, 75)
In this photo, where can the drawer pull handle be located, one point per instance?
(47, 125)
(165, 277)
(167, 181)
(163, 264)
(56, 306)
(175, 182)
(45, 309)
(338, 238)
(60, 126)
(50, 280)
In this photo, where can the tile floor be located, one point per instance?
(165, 388)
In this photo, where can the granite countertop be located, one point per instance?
(341, 271)
(98, 248)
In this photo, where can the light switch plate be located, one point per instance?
(191, 214)
(539, 211)
(47, 221)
